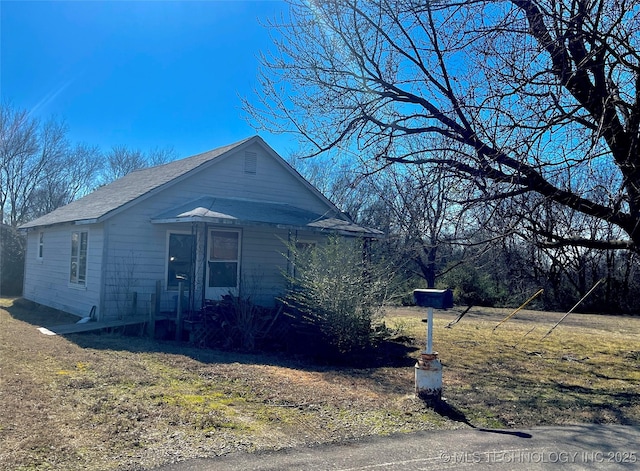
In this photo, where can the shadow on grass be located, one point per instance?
(385, 354)
(547, 401)
(130, 338)
(451, 412)
(38, 315)
(612, 404)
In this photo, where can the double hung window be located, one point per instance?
(79, 243)
(223, 263)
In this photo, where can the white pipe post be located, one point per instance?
(430, 330)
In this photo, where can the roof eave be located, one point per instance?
(239, 222)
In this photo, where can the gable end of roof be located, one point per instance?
(133, 188)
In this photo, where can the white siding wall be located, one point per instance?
(265, 258)
(47, 279)
(135, 260)
(263, 263)
(226, 178)
(135, 250)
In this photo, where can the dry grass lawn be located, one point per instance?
(113, 402)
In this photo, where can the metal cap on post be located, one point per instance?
(428, 368)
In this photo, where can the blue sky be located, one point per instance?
(143, 74)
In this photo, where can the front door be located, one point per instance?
(223, 263)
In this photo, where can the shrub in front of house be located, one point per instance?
(336, 296)
(237, 323)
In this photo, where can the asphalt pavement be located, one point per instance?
(574, 447)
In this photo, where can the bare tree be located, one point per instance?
(121, 160)
(29, 153)
(425, 221)
(18, 144)
(537, 97)
(419, 207)
(39, 169)
(72, 176)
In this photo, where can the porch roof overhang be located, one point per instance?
(240, 212)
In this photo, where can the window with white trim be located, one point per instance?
(224, 259)
(223, 263)
(78, 271)
(40, 244)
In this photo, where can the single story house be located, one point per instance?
(219, 222)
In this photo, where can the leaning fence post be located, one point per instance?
(573, 308)
(518, 310)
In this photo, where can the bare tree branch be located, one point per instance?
(540, 96)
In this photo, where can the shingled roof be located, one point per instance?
(139, 183)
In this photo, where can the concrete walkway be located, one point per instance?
(576, 447)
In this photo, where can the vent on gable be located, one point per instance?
(250, 163)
